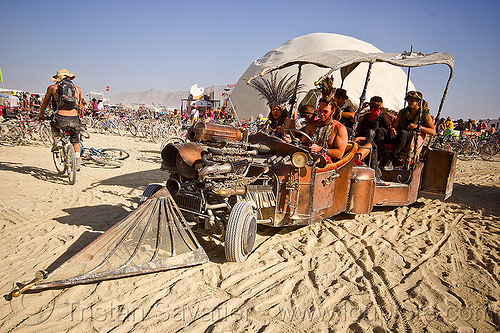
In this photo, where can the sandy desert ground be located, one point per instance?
(429, 267)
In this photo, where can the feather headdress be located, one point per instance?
(327, 94)
(276, 92)
(327, 89)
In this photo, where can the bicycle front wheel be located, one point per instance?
(106, 159)
(118, 153)
(71, 164)
(59, 157)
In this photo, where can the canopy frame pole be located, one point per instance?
(293, 100)
(233, 109)
(407, 79)
(362, 99)
(417, 132)
(445, 93)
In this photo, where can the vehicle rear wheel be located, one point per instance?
(100, 127)
(113, 128)
(149, 191)
(156, 133)
(71, 164)
(467, 152)
(241, 231)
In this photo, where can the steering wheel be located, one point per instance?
(293, 130)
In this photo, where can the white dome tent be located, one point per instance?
(387, 81)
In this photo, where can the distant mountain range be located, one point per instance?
(159, 98)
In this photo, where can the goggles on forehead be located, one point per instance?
(414, 95)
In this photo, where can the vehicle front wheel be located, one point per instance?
(59, 157)
(240, 232)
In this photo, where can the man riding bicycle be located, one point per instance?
(67, 100)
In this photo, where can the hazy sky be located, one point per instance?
(169, 45)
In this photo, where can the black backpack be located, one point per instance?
(66, 95)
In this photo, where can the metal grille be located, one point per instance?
(188, 201)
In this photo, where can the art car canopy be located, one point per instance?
(387, 81)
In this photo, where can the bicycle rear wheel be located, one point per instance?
(100, 127)
(113, 127)
(71, 163)
(156, 133)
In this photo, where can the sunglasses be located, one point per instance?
(374, 105)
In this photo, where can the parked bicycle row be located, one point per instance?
(153, 129)
(469, 147)
(23, 129)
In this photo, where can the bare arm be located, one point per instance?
(393, 131)
(387, 118)
(46, 100)
(79, 98)
(429, 126)
(309, 131)
(338, 145)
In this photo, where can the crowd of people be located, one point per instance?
(446, 126)
(24, 101)
(330, 124)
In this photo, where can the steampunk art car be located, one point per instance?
(226, 182)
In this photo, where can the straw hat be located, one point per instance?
(62, 74)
